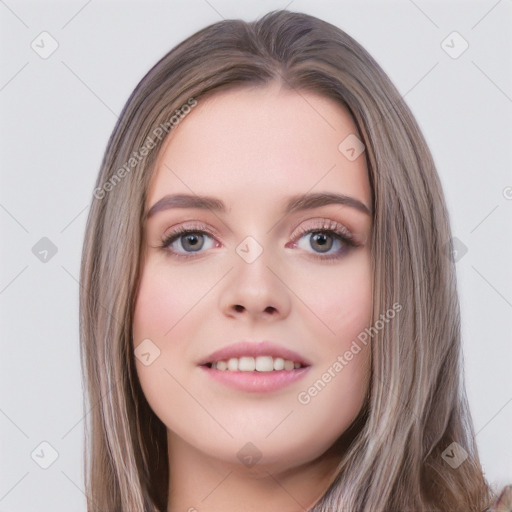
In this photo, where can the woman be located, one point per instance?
(269, 314)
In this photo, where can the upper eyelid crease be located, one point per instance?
(306, 226)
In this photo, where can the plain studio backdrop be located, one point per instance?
(68, 68)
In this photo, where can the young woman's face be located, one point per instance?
(259, 269)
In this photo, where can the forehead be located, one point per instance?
(252, 145)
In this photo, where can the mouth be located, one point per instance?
(262, 363)
(255, 367)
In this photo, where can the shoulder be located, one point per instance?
(503, 502)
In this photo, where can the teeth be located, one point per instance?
(278, 363)
(264, 363)
(288, 365)
(259, 364)
(246, 364)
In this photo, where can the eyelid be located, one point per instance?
(315, 223)
(190, 226)
(323, 224)
(308, 226)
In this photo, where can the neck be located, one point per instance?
(198, 482)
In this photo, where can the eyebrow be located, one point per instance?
(295, 203)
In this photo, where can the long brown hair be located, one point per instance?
(417, 403)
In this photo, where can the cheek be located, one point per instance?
(341, 300)
(330, 399)
(158, 317)
(154, 311)
(163, 302)
(163, 314)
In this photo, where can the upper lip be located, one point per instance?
(254, 349)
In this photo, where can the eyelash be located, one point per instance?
(332, 228)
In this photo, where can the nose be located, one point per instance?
(256, 290)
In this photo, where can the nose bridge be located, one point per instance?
(251, 250)
(252, 267)
(254, 286)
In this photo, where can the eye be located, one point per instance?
(325, 236)
(183, 242)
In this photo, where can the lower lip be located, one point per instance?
(256, 382)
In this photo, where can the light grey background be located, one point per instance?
(57, 114)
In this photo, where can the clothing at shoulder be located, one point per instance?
(504, 501)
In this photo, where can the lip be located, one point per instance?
(254, 349)
(255, 382)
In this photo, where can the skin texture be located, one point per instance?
(253, 148)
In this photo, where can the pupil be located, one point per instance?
(321, 238)
(193, 241)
